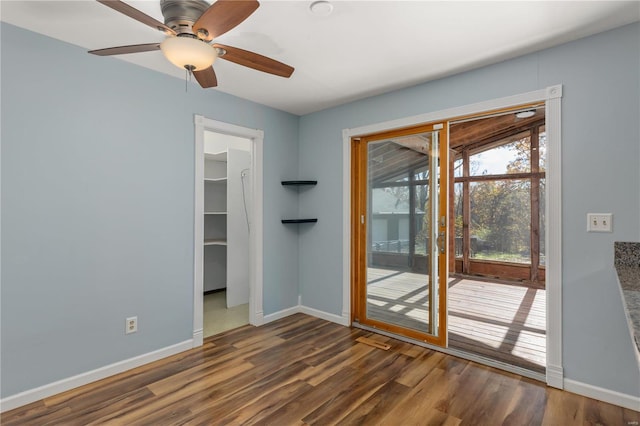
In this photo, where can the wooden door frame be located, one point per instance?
(552, 97)
(359, 229)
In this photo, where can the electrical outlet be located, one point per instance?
(131, 325)
(599, 222)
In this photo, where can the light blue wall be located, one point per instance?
(97, 207)
(601, 146)
(97, 199)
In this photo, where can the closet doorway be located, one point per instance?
(227, 228)
(227, 198)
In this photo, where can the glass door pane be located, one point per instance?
(402, 252)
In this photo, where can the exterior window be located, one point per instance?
(501, 221)
(498, 210)
(513, 157)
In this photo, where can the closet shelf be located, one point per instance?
(222, 179)
(299, 182)
(215, 242)
(299, 220)
(216, 156)
(215, 212)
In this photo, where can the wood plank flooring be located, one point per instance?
(499, 320)
(303, 370)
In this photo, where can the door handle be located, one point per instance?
(440, 243)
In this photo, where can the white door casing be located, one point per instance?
(552, 97)
(256, 136)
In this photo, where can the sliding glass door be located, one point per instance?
(399, 226)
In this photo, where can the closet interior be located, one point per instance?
(227, 164)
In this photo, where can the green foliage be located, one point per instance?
(501, 210)
(500, 216)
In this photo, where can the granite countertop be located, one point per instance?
(627, 263)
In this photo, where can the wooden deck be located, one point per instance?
(498, 320)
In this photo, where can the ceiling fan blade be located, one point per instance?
(222, 16)
(121, 50)
(255, 61)
(206, 78)
(134, 13)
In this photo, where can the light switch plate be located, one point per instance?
(599, 222)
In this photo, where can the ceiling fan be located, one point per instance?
(190, 26)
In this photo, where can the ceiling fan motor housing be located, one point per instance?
(192, 50)
(180, 15)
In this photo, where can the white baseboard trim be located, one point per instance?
(280, 314)
(32, 395)
(555, 376)
(198, 338)
(612, 397)
(257, 320)
(309, 311)
(325, 315)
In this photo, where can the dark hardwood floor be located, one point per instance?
(303, 370)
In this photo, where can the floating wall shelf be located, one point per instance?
(299, 220)
(299, 182)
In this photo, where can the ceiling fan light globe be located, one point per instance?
(187, 52)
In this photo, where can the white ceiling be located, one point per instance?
(363, 48)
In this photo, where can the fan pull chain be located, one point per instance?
(187, 77)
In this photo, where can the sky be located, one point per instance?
(495, 161)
